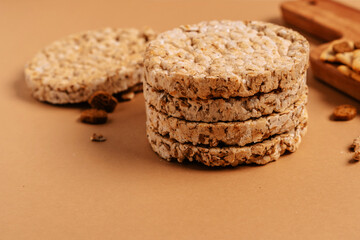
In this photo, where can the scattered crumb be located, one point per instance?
(97, 138)
(356, 146)
(344, 112)
(103, 100)
(93, 116)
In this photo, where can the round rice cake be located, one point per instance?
(223, 59)
(221, 109)
(258, 153)
(227, 133)
(71, 69)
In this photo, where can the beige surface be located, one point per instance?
(56, 184)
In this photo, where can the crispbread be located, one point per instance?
(220, 109)
(225, 59)
(227, 133)
(71, 69)
(258, 153)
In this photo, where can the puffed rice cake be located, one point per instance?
(258, 153)
(71, 69)
(223, 59)
(221, 109)
(227, 133)
(225, 93)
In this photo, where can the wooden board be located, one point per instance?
(327, 20)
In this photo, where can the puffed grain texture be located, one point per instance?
(259, 153)
(221, 109)
(227, 133)
(225, 59)
(70, 70)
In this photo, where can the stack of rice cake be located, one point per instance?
(226, 92)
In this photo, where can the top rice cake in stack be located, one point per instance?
(226, 92)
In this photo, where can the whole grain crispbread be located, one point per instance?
(258, 153)
(221, 109)
(223, 59)
(227, 133)
(71, 69)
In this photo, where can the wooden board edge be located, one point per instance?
(329, 74)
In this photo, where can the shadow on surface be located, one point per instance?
(352, 161)
(201, 167)
(20, 88)
(24, 93)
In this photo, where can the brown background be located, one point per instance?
(56, 184)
